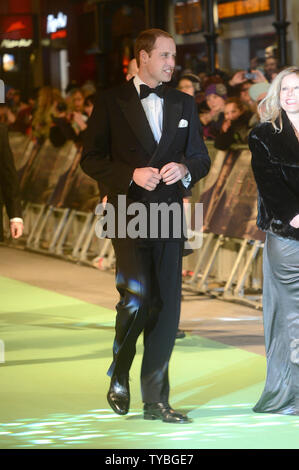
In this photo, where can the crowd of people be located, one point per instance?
(227, 105)
(48, 114)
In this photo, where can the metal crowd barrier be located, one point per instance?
(64, 226)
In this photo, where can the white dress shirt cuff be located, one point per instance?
(186, 180)
(16, 219)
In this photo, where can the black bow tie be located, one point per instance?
(146, 90)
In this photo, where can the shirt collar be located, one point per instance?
(137, 82)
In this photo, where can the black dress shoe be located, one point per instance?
(118, 395)
(180, 334)
(165, 412)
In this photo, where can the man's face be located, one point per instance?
(158, 65)
(270, 65)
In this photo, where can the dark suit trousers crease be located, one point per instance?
(148, 278)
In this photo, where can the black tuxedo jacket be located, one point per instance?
(9, 184)
(119, 139)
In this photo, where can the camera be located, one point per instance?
(61, 107)
(250, 76)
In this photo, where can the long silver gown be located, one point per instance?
(281, 326)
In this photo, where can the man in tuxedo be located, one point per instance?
(143, 142)
(9, 187)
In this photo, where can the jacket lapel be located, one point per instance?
(133, 111)
(284, 146)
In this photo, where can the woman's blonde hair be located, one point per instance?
(270, 107)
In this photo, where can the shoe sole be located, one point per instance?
(153, 418)
(111, 404)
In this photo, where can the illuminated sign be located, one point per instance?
(16, 27)
(232, 9)
(10, 43)
(55, 24)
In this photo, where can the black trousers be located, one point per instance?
(148, 278)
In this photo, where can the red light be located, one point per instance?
(59, 34)
(17, 26)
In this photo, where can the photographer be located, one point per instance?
(61, 129)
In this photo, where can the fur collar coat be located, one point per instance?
(275, 163)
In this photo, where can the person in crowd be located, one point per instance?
(271, 51)
(216, 95)
(89, 104)
(79, 119)
(235, 127)
(189, 83)
(77, 113)
(6, 116)
(240, 84)
(77, 100)
(9, 91)
(88, 88)
(132, 69)
(21, 118)
(257, 92)
(271, 68)
(61, 129)
(149, 164)
(274, 144)
(42, 120)
(244, 95)
(9, 187)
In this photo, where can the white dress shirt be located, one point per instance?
(153, 108)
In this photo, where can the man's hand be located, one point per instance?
(238, 78)
(16, 229)
(259, 77)
(173, 172)
(148, 177)
(295, 221)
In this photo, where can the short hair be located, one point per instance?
(270, 107)
(146, 41)
(194, 79)
(90, 99)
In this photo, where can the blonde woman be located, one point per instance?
(42, 121)
(274, 144)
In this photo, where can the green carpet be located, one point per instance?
(53, 384)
